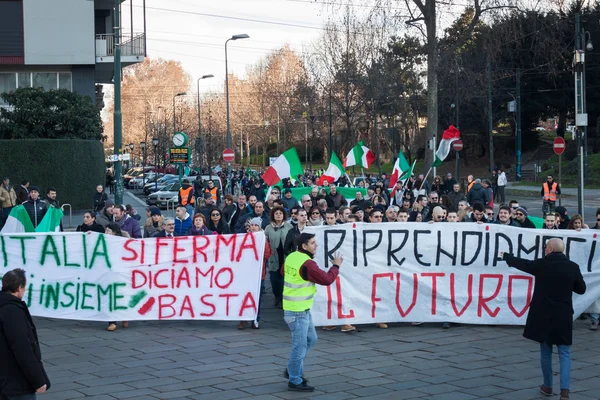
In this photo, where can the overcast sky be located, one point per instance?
(194, 31)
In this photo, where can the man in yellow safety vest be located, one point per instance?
(301, 274)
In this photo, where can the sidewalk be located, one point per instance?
(591, 194)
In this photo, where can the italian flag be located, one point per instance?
(359, 155)
(450, 136)
(402, 170)
(18, 221)
(51, 221)
(287, 165)
(334, 171)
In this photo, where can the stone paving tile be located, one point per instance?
(213, 360)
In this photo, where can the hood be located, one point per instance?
(7, 298)
(477, 186)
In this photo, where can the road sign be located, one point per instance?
(559, 145)
(457, 145)
(179, 155)
(228, 155)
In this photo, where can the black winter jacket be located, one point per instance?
(37, 210)
(21, 368)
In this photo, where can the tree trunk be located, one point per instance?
(432, 80)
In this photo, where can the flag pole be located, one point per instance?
(349, 180)
(424, 179)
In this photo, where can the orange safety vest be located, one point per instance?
(213, 192)
(549, 194)
(185, 195)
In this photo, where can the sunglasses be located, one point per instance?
(520, 214)
(315, 213)
(377, 216)
(215, 215)
(515, 207)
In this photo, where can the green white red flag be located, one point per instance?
(359, 155)
(287, 165)
(450, 136)
(402, 170)
(334, 171)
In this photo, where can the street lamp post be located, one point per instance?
(143, 147)
(234, 37)
(174, 120)
(580, 104)
(155, 143)
(199, 120)
(131, 159)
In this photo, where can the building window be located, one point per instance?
(46, 80)
(24, 79)
(65, 81)
(8, 83)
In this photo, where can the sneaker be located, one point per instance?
(111, 327)
(255, 325)
(348, 328)
(329, 328)
(125, 324)
(303, 387)
(381, 325)
(286, 375)
(242, 325)
(446, 325)
(594, 326)
(416, 323)
(545, 390)
(564, 394)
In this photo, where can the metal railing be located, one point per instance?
(70, 213)
(130, 46)
(171, 201)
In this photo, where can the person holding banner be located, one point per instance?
(550, 318)
(301, 275)
(22, 373)
(256, 226)
(114, 229)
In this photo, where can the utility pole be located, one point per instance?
(330, 126)
(518, 143)
(580, 111)
(118, 116)
(376, 135)
(491, 122)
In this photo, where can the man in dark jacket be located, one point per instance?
(22, 373)
(550, 318)
(127, 224)
(35, 207)
(522, 217)
(563, 217)
(23, 192)
(477, 194)
(334, 198)
(456, 196)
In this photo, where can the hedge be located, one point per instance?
(73, 167)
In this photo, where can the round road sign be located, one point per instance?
(559, 145)
(228, 155)
(457, 145)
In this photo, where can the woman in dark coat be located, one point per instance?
(90, 224)
(550, 318)
(216, 222)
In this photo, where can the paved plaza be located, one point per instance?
(214, 360)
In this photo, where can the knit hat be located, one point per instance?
(108, 204)
(523, 210)
(154, 211)
(561, 210)
(32, 188)
(256, 221)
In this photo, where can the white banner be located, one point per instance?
(442, 272)
(91, 276)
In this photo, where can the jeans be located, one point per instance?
(29, 396)
(262, 289)
(595, 317)
(304, 337)
(501, 197)
(564, 357)
(276, 284)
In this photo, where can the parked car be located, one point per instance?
(359, 179)
(162, 197)
(160, 183)
(141, 180)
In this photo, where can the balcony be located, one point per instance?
(133, 48)
(133, 51)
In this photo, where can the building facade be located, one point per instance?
(64, 44)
